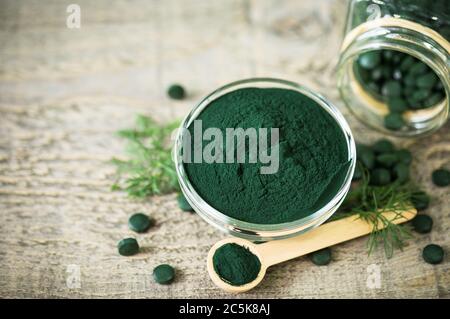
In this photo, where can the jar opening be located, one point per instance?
(395, 80)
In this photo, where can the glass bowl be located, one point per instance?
(252, 231)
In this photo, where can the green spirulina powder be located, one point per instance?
(235, 264)
(313, 158)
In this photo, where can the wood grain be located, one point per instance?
(63, 93)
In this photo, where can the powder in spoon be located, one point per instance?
(235, 264)
(313, 158)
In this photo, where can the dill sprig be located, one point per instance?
(149, 169)
(370, 202)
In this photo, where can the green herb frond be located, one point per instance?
(370, 202)
(148, 169)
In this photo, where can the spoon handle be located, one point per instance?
(326, 235)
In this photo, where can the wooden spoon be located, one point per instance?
(277, 251)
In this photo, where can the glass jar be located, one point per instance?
(394, 67)
(262, 232)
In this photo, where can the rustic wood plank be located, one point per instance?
(64, 92)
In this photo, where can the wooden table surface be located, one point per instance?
(63, 94)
